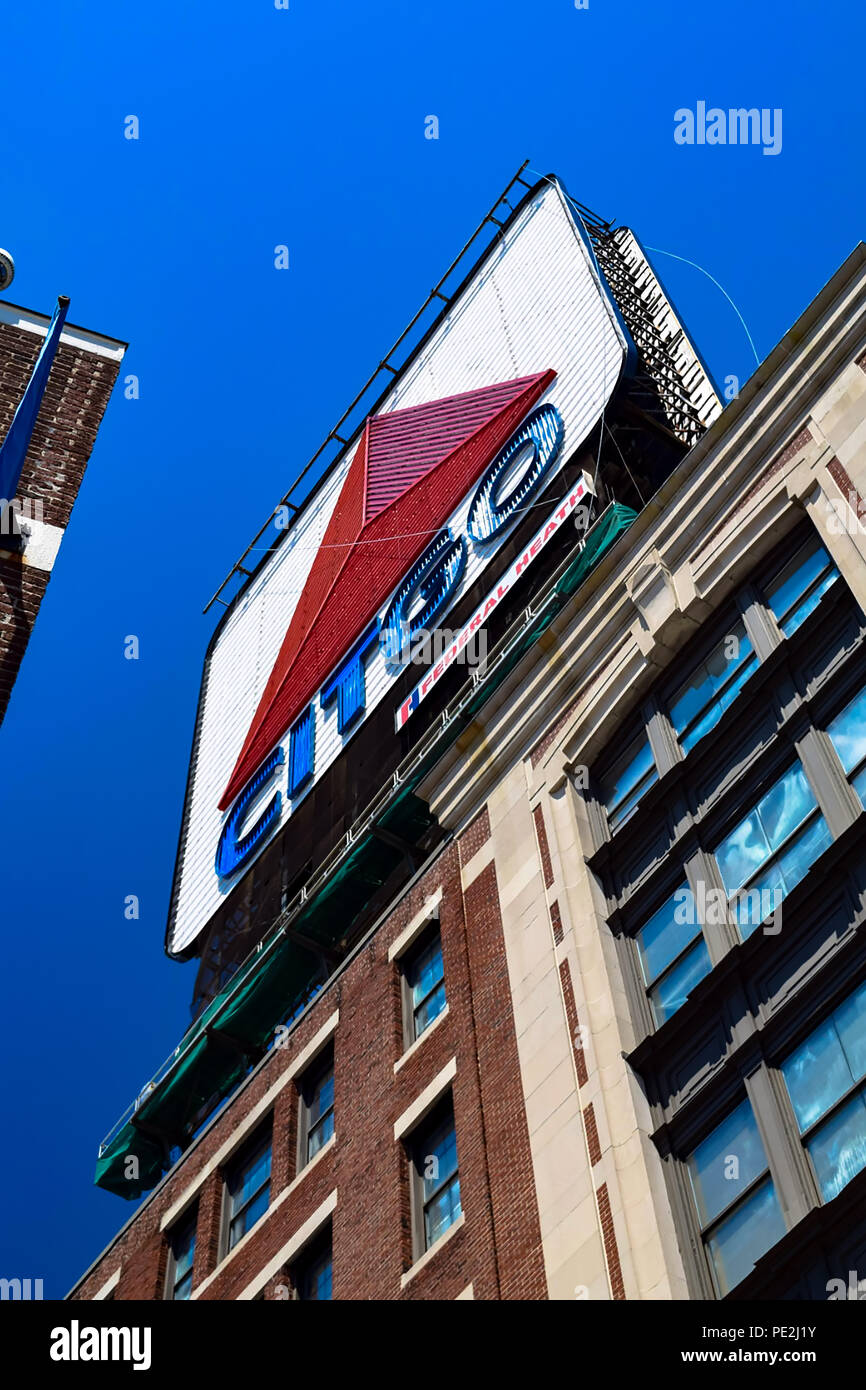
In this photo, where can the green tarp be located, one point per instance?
(130, 1165)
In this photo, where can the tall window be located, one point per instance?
(317, 1106)
(736, 1202)
(248, 1188)
(848, 733)
(436, 1181)
(424, 976)
(825, 1080)
(312, 1275)
(627, 781)
(180, 1258)
(715, 683)
(673, 954)
(771, 849)
(800, 585)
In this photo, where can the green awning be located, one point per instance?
(131, 1164)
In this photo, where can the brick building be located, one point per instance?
(383, 1094)
(559, 992)
(70, 410)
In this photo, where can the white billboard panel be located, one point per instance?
(534, 303)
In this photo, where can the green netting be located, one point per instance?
(211, 1067)
(327, 916)
(131, 1165)
(245, 1013)
(266, 998)
(610, 526)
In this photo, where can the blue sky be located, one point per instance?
(260, 127)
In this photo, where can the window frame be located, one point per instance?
(185, 1223)
(244, 1157)
(802, 540)
(634, 932)
(306, 1260)
(766, 1174)
(719, 635)
(751, 607)
(802, 1137)
(420, 943)
(744, 810)
(858, 769)
(308, 1086)
(418, 1139)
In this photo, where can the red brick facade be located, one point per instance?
(543, 846)
(75, 399)
(573, 1023)
(22, 589)
(611, 1250)
(497, 1248)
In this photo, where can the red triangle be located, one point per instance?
(409, 472)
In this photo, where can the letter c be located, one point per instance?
(233, 852)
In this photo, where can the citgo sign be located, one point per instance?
(506, 488)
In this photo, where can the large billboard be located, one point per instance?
(511, 381)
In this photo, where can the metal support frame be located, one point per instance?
(396, 842)
(659, 377)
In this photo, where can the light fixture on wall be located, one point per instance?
(7, 269)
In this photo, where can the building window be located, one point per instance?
(436, 1181)
(629, 777)
(317, 1106)
(771, 849)
(800, 586)
(673, 954)
(848, 735)
(312, 1274)
(700, 702)
(181, 1252)
(825, 1077)
(736, 1201)
(424, 983)
(248, 1188)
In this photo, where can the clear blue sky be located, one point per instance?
(305, 127)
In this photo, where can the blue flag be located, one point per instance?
(13, 450)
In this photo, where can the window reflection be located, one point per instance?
(848, 735)
(723, 1171)
(799, 588)
(627, 781)
(826, 1069)
(670, 970)
(712, 687)
(763, 852)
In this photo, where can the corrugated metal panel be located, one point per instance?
(404, 445)
(534, 303)
(373, 558)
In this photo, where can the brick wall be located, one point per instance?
(498, 1247)
(75, 399)
(22, 589)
